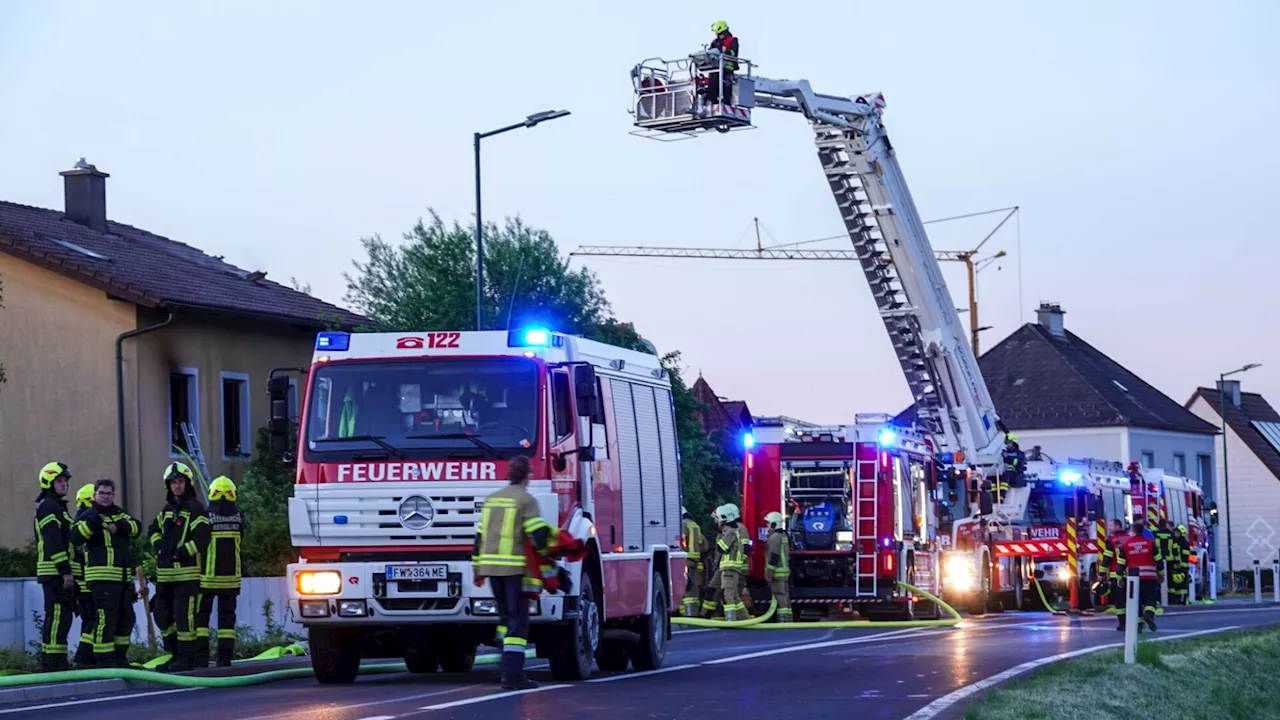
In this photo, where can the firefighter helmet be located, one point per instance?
(84, 496)
(1182, 528)
(719, 26)
(775, 520)
(1010, 437)
(51, 472)
(176, 470)
(729, 513)
(222, 489)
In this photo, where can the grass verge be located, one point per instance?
(1216, 677)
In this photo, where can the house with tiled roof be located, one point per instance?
(724, 421)
(1252, 469)
(114, 337)
(1054, 390)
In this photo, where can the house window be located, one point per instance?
(236, 442)
(1180, 464)
(1204, 471)
(1148, 459)
(562, 408)
(184, 407)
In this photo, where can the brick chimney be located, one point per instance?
(85, 191)
(1050, 315)
(1231, 390)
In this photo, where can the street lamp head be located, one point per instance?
(543, 116)
(1251, 366)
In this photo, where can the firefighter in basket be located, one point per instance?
(720, 89)
(733, 562)
(777, 568)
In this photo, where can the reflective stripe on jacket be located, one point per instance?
(52, 529)
(106, 553)
(507, 518)
(693, 540)
(778, 555)
(180, 536)
(730, 546)
(221, 567)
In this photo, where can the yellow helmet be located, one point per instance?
(775, 520)
(719, 26)
(178, 469)
(1182, 529)
(51, 472)
(1010, 437)
(84, 496)
(222, 489)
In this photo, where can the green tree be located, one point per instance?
(263, 495)
(711, 477)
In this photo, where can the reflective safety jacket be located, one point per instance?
(1105, 554)
(1164, 541)
(106, 552)
(1114, 543)
(52, 529)
(693, 542)
(730, 546)
(727, 44)
(180, 536)
(77, 555)
(1141, 552)
(778, 555)
(507, 518)
(220, 571)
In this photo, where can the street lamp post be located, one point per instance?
(1226, 481)
(528, 122)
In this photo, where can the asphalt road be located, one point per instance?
(709, 674)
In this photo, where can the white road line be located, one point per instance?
(380, 717)
(646, 673)
(937, 706)
(86, 701)
(691, 632)
(494, 696)
(815, 646)
(336, 708)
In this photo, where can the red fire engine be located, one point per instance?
(860, 513)
(404, 435)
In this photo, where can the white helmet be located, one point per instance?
(775, 520)
(729, 513)
(684, 511)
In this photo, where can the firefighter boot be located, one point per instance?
(1150, 617)
(184, 658)
(201, 658)
(1120, 623)
(122, 656)
(513, 677)
(84, 655)
(53, 662)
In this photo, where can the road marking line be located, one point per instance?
(494, 696)
(353, 706)
(380, 717)
(86, 701)
(628, 676)
(815, 646)
(690, 632)
(934, 708)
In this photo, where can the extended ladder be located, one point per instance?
(193, 449)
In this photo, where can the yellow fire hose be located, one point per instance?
(758, 623)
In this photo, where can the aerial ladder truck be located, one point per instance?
(953, 406)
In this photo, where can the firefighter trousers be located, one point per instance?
(692, 587)
(226, 623)
(1148, 597)
(88, 620)
(1179, 581)
(711, 594)
(781, 588)
(731, 585)
(59, 607)
(113, 624)
(175, 613)
(513, 612)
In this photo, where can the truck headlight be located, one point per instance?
(318, 582)
(1064, 574)
(844, 540)
(959, 573)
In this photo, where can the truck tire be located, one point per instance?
(421, 661)
(651, 650)
(457, 657)
(574, 649)
(613, 656)
(335, 654)
(981, 597)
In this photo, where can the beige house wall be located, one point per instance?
(57, 345)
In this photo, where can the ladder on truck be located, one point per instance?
(867, 506)
(193, 449)
(952, 401)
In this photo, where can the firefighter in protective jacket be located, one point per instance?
(777, 567)
(106, 531)
(84, 600)
(220, 572)
(180, 536)
(695, 545)
(1141, 552)
(720, 89)
(733, 563)
(710, 592)
(53, 565)
(1180, 566)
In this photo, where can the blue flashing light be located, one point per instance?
(537, 336)
(335, 341)
(1069, 477)
(887, 437)
(947, 458)
(531, 337)
(339, 519)
(748, 440)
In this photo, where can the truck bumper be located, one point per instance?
(364, 596)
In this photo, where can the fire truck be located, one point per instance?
(1180, 500)
(401, 439)
(860, 514)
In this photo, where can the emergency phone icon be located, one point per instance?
(410, 343)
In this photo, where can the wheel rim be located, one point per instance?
(659, 629)
(591, 620)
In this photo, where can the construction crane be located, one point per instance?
(972, 263)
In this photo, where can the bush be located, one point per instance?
(18, 562)
(264, 494)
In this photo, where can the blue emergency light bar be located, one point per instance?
(748, 440)
(887, 437)
(533, 337)
(335, 341)
(1069, 477)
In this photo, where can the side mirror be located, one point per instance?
(278, 425)
(584, 390)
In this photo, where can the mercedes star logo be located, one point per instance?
(416, 513)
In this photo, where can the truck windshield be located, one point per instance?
(425, 408)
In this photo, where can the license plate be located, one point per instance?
(417, 572)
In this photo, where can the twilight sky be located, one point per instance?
(1138, 138)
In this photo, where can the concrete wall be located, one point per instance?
(57, 345)
(21, 597)
(1254, 512)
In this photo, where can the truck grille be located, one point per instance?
(369, 513)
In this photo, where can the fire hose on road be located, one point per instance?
(758, 623)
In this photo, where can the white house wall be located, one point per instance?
(1097, 443)
(1255, 500)
(1164, 445)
